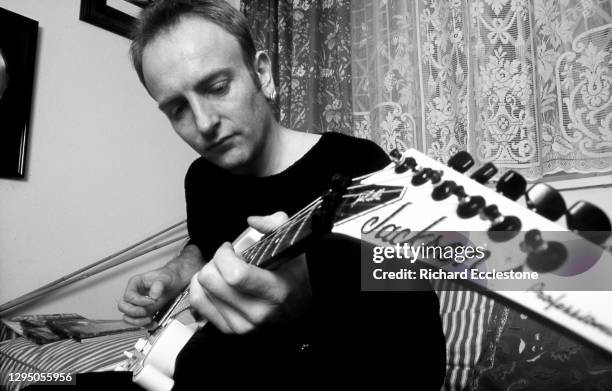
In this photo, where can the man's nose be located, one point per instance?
(205, 117)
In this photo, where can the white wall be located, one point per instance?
(104, 167)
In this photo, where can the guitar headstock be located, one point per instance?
(412, 170)
(417, 197)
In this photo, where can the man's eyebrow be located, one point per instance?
(203, 82)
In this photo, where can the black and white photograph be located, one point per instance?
(306, 194)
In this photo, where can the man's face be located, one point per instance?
(197, 75)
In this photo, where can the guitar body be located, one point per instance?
(153, 360)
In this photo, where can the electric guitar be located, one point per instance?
(417, 209)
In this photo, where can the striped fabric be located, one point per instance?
(68, 356)
(465, 315)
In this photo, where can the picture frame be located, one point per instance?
(111, 15)
(18, 42)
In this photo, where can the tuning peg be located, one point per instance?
(443, 190)
(484, 173)
(545, 201)
(543, 256)
(459, 191)
(408, 164)
(426, 174)
(461, 161)
(421, 176)
(395, 154)
(435, 176)
(470, 206)
(512, 185)
(504, 230)
(589, 221)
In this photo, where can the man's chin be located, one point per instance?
(231, 164)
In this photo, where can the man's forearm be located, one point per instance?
(189, 262)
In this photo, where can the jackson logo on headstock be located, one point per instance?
(392, 233)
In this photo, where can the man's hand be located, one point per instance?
(146, 293)
(238, 297)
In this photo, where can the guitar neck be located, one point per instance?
(270, 250)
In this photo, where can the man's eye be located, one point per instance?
(219, 87)
(177, 112)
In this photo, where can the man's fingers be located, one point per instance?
(265, 224)
(137, 299)
(230, 302)
(235, 320)
(201, 303)
(246, 279)
(132, 310)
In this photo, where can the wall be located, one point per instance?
(104, 168)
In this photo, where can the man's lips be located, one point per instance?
(219, 143)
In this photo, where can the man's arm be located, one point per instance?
(187, 263)
(146, 293)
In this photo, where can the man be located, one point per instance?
(197, 60)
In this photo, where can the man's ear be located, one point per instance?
(263, 67)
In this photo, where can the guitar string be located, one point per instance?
(178, 301)
(308, 207)
(304, 219)
(269, 238)
(184, 295)
(266, 240)
(273, 234)
(296, 217)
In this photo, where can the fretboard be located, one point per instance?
(272, 249)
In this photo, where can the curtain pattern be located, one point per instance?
(525, 84)
(309, 45)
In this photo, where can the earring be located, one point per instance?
(272, 94)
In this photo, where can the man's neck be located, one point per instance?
(283, 148)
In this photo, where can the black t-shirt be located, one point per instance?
(347, 336)
(219, 202)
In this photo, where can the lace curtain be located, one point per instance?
(309, 45)
(525, 84)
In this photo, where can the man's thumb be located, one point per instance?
(157, 288)
(265, 224)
